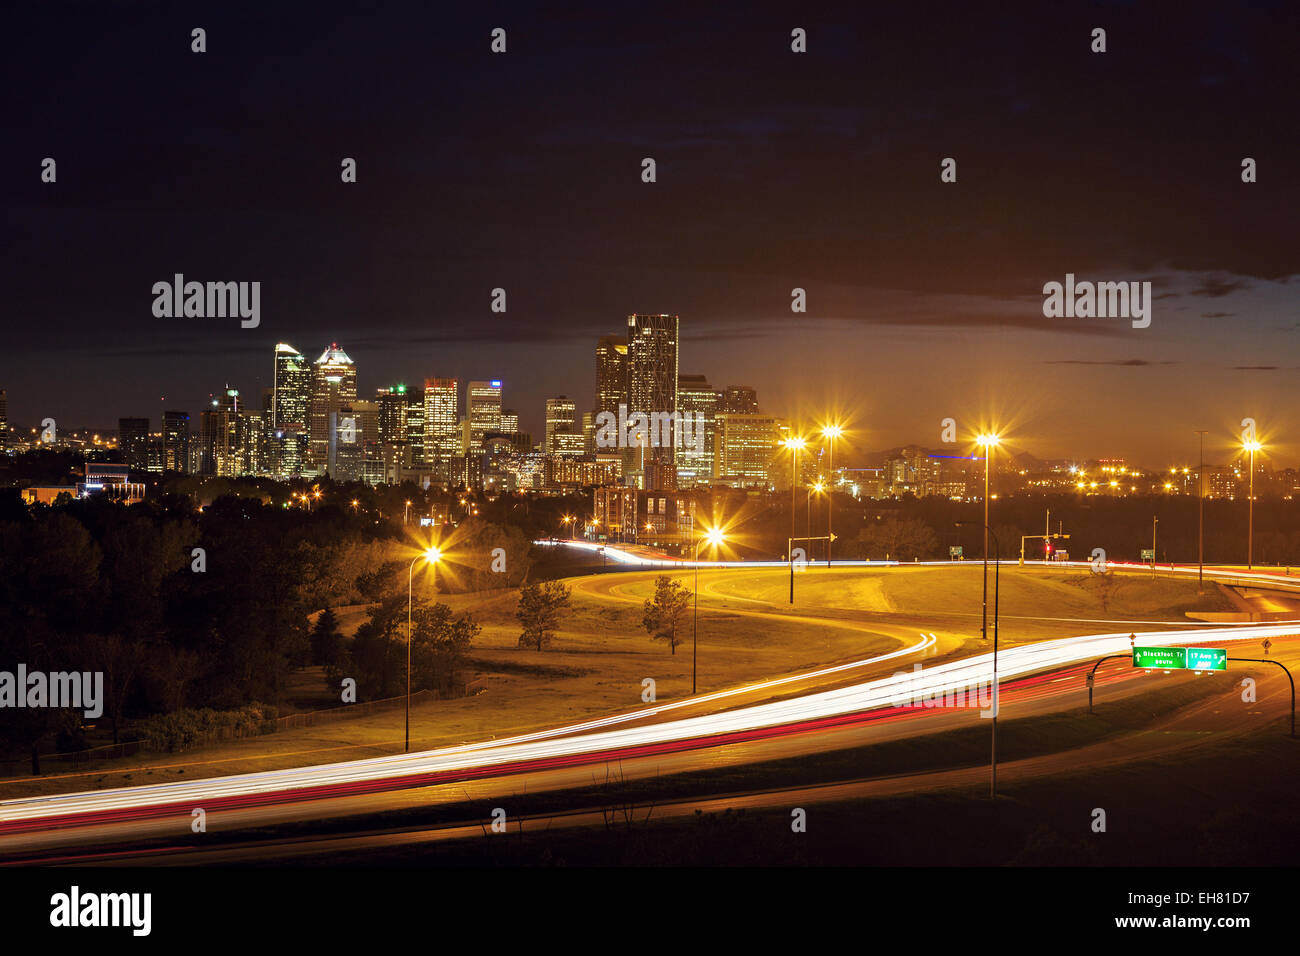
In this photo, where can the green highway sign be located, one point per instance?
(1148, 554)
(1181, 658)
(954, 551)
(1164, 657)
(1207, 658)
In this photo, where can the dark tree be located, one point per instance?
(539, 612)
(663, 612)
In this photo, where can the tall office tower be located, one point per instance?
(354, 443)
(415, 423)
(287, 416)
(562, 434)
(391, 421)
(250, 455)
(334, 386)
(442, 428)
(652, 390)
(209, 427)
(4, 419)
(510, 422)
(484, 412)
(155, 453)
(611, 373)
(699, 402)
(589, 448)
(744, 448)
(176, 441)
(740, 399)
(219, 435)
(291, 391)
(133, 442)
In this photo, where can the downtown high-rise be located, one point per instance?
(333, 390)
(611, 373)
(442, 431)
(652, 391)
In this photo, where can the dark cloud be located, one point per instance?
(1216, 286)
(1134, 363)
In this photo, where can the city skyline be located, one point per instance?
(863, 439)
(924, 298)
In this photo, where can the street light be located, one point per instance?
(1251, 445)
(997, 566)
(433, 556)
(794, 443)
(715, 538)
(1200, 517)
(818, 488)
(831, 432)
(988, 442)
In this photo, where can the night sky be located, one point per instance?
(775, 170)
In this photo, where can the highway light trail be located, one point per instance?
(635, 560)
(798, 714)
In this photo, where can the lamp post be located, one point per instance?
(831, 432)
(987, 441)
(1251, 445)
(1154, 522)
(1200, 517)
(433, 556)
(406, 516)
(794, 443)
(715, 538)
(817, 488)
(997, 567)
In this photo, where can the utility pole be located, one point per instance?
(1154, 521)
(1200, 516)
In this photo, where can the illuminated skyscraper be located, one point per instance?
(391, 423)
(442, 433)
(696, 399)
(563, 437)
(740, 399)
(133, 442)
(415, 423)
(744, 448)
(334, 387)
(291, 391)
(176, 441)
(652, 390)
(611, 373)
(484, 401)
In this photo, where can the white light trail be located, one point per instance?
(879, 692)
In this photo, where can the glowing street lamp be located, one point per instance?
(1251, 445)
(433, 556)
(988, 441)
(830, 432)
(795, 443)
(818, 487)
(715, 538)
